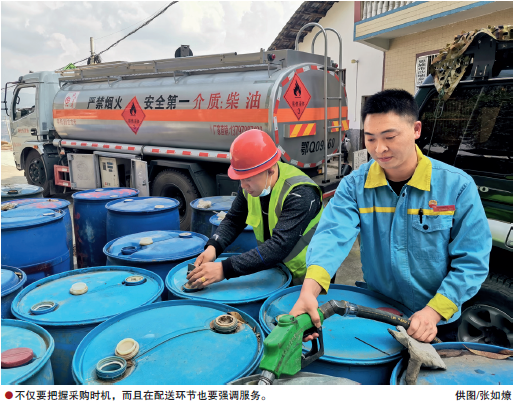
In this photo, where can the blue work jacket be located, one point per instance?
(415, 248)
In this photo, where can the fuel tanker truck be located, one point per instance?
(165, 126)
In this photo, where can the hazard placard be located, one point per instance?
(297, 96)
(133, 115)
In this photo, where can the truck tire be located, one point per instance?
(173, 183)
(35, 172)
(487, 317)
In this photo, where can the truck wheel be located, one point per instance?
(487, 317)
(35, 172)
(173, 183)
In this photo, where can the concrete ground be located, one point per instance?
(349, 271)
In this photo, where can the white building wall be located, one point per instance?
(363, 78)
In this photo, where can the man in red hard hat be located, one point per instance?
(281, 203)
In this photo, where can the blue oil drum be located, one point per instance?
(167, 249)
(21, 334)
(89, 222)
(200, 216)
(141, 214)
(34, 240)
(463, 367)
(243, 243)
(71, 304)
(181, 342)
(355, 348)
(13, 280)
(54, 204)
(13, 191)
(247, 293)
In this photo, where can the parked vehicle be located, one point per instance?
(165, 126)
(466, 114)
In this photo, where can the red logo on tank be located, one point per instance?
(133, 115)
(297, 96)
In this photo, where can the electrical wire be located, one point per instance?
(137, 29)
(127, 35)
(124, 29)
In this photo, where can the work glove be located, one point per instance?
(421, 355)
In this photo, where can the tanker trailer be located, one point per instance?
(165, 127)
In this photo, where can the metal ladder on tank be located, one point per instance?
(325, 94)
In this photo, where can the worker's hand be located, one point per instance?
(208, 255)
(423, 324)
(307, 303)
(206, 274)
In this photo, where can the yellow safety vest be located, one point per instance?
(289, 178)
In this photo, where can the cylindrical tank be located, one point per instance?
(206, 111)
(158, 251)
(246, 293)
(13, 280)
(53, 204)
(244, 242)
(298, 379)
(34, 240)
(202, 212)
(89, 222)
(141, 214)
(463, 367)
(180, 342)
(13, 191)
(355, 348)
(71, 304)
(32, 339)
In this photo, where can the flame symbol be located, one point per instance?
(133, 110)
(297, 91)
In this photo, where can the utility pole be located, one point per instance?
(92, 44)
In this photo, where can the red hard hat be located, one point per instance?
(251, 153)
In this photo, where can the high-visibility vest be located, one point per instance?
(289, 178)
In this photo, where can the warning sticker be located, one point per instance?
(70, 101)
(133, 115)
(297, 96)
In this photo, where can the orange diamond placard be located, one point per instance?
(297, 96)
(133, 115)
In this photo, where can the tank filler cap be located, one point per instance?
(16, 357)
(160, 206)
(49, 214)
(12, 192)
(128, 200)
(145, 241)
(134, 280)
(225, 324)
(111, 367)
(113, 196)
(185, 235)
(78, 288)
(43, 307)
(127, 348)
(99, 189)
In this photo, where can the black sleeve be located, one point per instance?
(232, 226)
(300, 207)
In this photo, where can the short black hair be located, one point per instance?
(397, 101)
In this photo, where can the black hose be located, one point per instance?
(384, 316)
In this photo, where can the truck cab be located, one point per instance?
(472, 130)
(32, 127)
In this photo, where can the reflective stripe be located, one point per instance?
(429, 212)
(288, 183)
(376, 209)
(302, 243)
(409, 211)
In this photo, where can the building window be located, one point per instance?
(423, 61)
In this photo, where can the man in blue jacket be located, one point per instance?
(425, 240)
